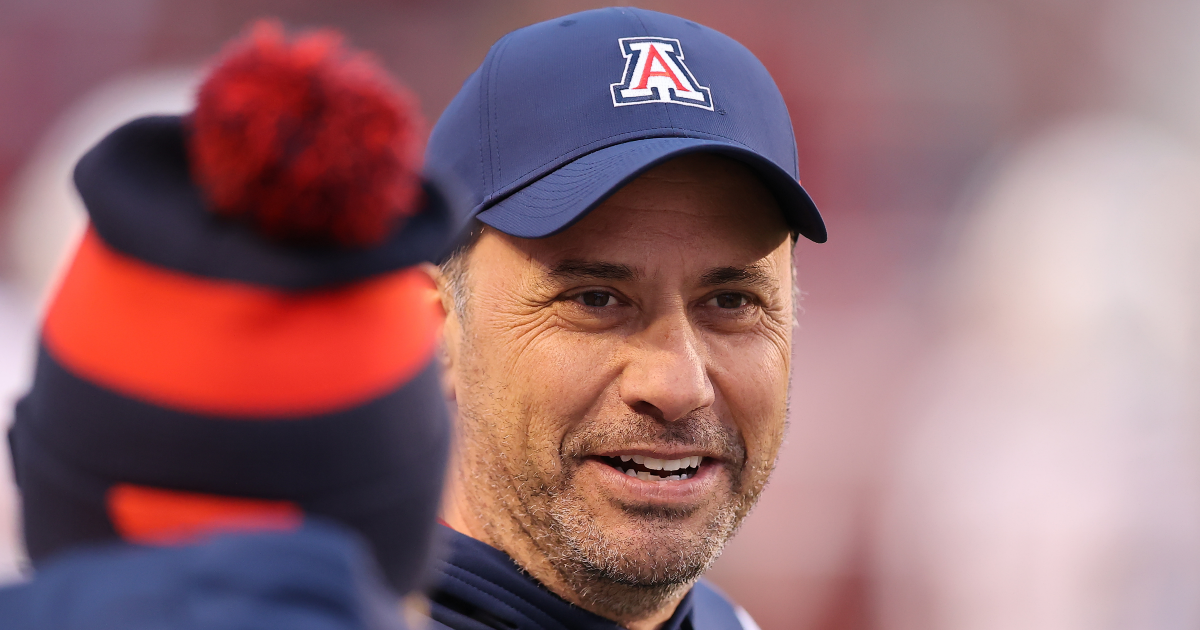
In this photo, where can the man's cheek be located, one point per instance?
(555, 387)
(758, 406)
(763, 429)
(569, 374)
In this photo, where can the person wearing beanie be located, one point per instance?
(236, 392)
(620, 311)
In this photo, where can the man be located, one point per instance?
(619, 322)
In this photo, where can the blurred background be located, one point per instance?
(994, 411)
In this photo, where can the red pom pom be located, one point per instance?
(307, 140)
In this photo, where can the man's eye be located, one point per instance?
(730, 300)
(596, 299)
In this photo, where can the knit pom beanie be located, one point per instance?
(242, 339)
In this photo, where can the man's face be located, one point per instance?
(622, 386)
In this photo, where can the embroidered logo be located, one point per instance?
(655, 73)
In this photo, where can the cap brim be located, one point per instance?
(555, 201)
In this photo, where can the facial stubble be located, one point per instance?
(621, 577)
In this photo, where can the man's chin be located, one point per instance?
(627, 548)
(644, 545)
(626, 567)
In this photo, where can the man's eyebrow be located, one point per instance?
(755, 275)
(592, 270)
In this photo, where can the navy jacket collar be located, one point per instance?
(478, 587)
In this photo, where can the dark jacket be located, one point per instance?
(478, 587)
(318, 578)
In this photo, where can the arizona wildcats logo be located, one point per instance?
(655, 73)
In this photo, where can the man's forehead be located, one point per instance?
(593, 257)
(698, 204)
(761, 274)
(695, 187)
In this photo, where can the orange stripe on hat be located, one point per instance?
(226, 348)
(154, 516)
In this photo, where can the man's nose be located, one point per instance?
(667, 377)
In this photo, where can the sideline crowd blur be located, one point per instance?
(993, 417)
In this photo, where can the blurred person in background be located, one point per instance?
(1051, 475)
(620, 319)
(1052, 478)
(242, 342)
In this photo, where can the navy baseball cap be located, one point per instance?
(562, 114)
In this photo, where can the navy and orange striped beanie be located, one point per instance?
(242, 339)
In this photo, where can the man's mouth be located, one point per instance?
(654, 469)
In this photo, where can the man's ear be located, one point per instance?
(451, 332)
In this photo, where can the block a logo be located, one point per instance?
(655, 73)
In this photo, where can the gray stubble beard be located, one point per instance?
(600, 570)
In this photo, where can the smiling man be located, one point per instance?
(618, 338)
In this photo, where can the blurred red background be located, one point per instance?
(907, 114)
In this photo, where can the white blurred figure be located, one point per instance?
(1051, 478)
(16, 335)
(44, 212)
(43, 218)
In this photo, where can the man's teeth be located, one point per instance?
(691, 464)
(645, 476)
(654, 463)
